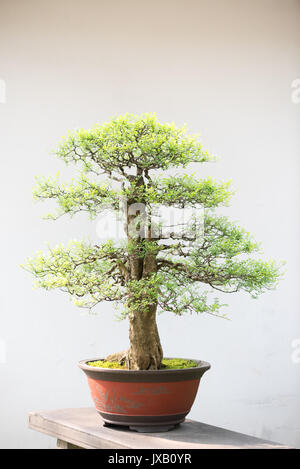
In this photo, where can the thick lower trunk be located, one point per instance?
(145, 351)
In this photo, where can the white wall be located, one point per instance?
(225, 68)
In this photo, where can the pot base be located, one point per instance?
(143, 424)
(155, 429)
(144, 429)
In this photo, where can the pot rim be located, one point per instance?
(204, 366)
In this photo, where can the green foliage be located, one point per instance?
(143, 293)
(179, 276)
(131, 141)
(184, 191)
(90, 274)
(79, 196)
(180, 295)
(215, 259)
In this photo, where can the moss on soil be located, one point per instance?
(106, 364)
(167, 364)
(177, 363)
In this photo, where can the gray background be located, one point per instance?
(223, 67)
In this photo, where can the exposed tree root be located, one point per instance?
(119, 357)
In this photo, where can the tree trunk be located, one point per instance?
(145, 351)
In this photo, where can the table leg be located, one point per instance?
(61, 444)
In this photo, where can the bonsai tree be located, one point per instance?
(121, 168)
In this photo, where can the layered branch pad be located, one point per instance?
(121, 163)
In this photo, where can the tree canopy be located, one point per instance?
(122, 163)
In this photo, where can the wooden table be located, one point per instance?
(83, 428)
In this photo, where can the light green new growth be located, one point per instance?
(178, 276)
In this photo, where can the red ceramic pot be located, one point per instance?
(150, 400)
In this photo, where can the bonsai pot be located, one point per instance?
(147, 400)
